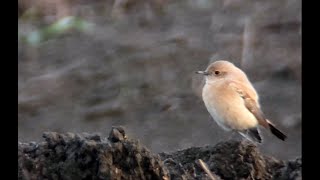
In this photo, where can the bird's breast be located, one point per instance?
(211, 100)
(227, 107)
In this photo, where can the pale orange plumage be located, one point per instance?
(233, 102)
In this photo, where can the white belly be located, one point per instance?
(217, 118)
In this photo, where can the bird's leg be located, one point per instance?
(245, 139)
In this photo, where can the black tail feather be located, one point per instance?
(254, 133)
(277, 132)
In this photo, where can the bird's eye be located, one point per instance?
(217, 72)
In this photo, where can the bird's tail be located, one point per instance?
(276, 131)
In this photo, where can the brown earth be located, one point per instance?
(91, 156)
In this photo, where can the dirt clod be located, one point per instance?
(90, 156)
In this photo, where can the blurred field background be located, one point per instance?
(84, 66)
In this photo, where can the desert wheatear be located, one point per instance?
(233, 102)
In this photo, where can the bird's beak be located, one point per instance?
(202, 72)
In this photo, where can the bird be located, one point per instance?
(233, 102)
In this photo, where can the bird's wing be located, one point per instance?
(246, 93)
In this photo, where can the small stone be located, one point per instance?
(117, 134)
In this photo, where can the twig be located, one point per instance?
(206, 169)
